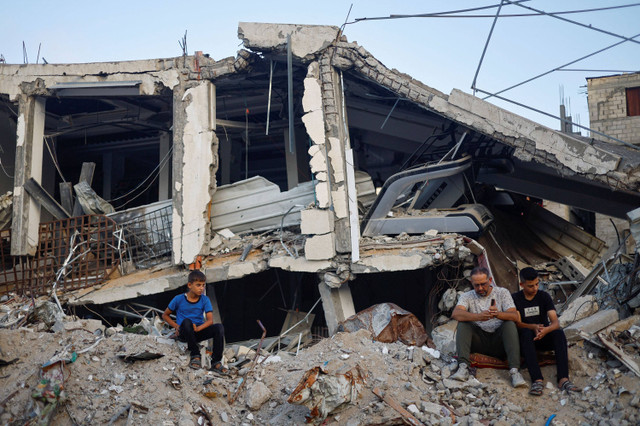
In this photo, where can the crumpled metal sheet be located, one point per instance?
(387, 323)
(324, 393)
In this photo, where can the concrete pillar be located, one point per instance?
(29, 150)
(337, 304)
(211, 294)
(164, 182)
(107, 174)
(195, 162)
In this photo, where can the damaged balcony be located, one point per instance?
(283, 165)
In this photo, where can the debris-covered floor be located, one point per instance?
(101, 387)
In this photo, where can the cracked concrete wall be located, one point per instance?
(319, 244)
(195, 162)
(607, 100)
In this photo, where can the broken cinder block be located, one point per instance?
(319, 247)
(315, 221)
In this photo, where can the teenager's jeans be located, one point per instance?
(215, 332)
(504, 341)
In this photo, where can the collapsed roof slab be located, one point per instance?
(533, 142)
(570, 157)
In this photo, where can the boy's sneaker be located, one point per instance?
(462, 374)
(516, 378)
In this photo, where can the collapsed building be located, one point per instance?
(301, 169)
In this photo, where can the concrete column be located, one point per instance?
(164, 182)
(337, 304)
(29, 150)
(195, 162)
(107, 174)
(211, 294)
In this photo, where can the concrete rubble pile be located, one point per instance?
(358, 380)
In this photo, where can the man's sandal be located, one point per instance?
(536, 388)
(220, 369)
(196, 362)
(569, 387)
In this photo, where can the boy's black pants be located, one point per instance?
(215, 332)
(555, 340)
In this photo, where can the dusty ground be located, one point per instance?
(99, 385)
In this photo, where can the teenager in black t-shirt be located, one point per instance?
(539, 329)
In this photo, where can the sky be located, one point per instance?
(443, 53)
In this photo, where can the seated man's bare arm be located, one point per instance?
(510, 314)
(460, 313)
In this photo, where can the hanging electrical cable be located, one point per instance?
(158, 168)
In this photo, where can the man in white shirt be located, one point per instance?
(486, 319)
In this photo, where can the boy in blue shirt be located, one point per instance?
(190, 309)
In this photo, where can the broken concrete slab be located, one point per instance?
(306, 40)
(592, 324)
(90, 201)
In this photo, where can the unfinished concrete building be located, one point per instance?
(302, 168)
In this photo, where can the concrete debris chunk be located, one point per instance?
(448, 300)
(90, 201)
(257, 395)
(444, 337)
(388, 323)
(580, 308)
(324, 393)
(592, 324)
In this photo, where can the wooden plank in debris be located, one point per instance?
(617, 352)
(66, 196)
(41, 196)
(86, 175)
(407, 416)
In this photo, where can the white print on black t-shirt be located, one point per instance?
(532, 311)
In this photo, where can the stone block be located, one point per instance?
(339, 198)
(318, 162)
(592, 324)
(314, 124)
(322, 194)
(312, 97)
(319, 247)
(316, 221)
(257, 395)
(444, 337)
